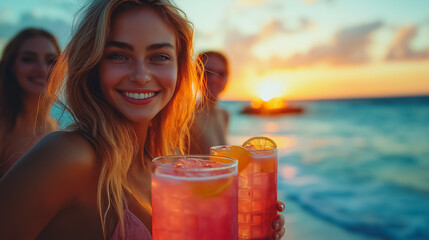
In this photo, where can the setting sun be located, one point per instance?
(268, 91)
(272, 86)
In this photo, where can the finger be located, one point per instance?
(278, 223)
(280, 206)
(278, 235)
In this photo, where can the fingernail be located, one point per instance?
(276, 236)
(276, 226)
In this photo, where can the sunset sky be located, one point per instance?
(298, 49)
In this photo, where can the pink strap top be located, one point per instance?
(134, 229)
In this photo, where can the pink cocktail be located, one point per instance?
(194, 197)
(257, 189)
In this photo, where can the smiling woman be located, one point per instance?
(24, 69)
(128, 78)
(138, 72)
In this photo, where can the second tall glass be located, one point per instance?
(257, 188)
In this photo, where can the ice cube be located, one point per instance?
(196, 163)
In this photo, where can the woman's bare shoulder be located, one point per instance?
(60, 169)
(67, 145)
(62, 152)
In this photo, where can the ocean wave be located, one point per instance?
(371, 208)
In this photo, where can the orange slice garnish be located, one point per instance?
(240, 153)
(260, 143)
(263, 144)
(210, 189)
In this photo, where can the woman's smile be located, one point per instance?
(138, 97)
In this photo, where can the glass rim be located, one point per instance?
(225, 166)
(251, 151)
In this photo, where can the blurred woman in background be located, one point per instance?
(210, 127)
(24, 69)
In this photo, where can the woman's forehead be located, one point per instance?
(141, 25)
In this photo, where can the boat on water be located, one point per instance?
(275, 106)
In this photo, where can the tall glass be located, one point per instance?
(194, 197)
(257, 190)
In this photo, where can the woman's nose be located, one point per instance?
(42, 67)
(142, 73)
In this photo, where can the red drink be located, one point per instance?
(257, 189)
(194, 197)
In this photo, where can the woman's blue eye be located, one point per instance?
(160, 58)
(116, 56)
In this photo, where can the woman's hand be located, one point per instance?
(279, 223)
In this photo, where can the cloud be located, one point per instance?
(238, 46)
(401, 47)
(58, 27)
(348, 46)
(277, 26)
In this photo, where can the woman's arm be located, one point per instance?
(44, 181)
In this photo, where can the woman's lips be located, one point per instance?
(37, 80)
(139, 98)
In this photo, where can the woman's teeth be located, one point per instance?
(139, 95)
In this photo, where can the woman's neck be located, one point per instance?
(141, 130)
(29, 112)
(211, 103)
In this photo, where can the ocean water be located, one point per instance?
(362, 165)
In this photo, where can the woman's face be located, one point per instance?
(34, 63)
(138, 72)
(216, 75)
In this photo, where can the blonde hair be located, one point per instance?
(110, 133)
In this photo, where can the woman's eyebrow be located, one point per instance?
(156, 46)
(120, 45)
(28, 53)
(127, 46)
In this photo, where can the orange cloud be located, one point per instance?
(401, 46)
(349, 46)
(238, 46)
(277, 26)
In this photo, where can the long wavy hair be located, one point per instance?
(114, 140)
(11, 93)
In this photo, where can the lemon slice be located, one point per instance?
(210, 189)
(240, 153)
(260, 143)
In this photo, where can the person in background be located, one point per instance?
(210, 127)
(24, 69)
